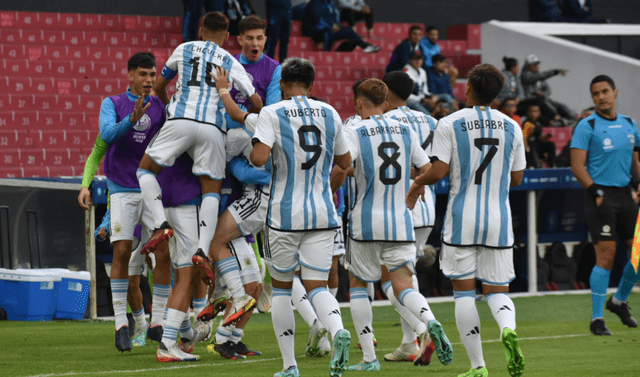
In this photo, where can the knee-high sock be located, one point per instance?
(138, 316)
(198, 305)
(411, 325)
(363, 319)
(333, 291)
(186, 331)
(119, 288)
(371, 291)
(327, 309)
(152, 195)
(503, 310)
(599, 281)
(159, 303)
(230, 271)
(417, 304)
(223, 333)
(284, 325)
(172, 326)
(236, 335)
(468, 323)
(628, 280)
(208, 220)
(301, 302)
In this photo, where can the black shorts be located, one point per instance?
(615, 216)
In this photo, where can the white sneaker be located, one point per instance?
(201, 331)
(173, 353)
(371, 49)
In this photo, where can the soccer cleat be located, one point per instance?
(213, 309)
(290, 372)
(513, 352)
(366, 367)
(264, 301)
(316, 333)
(480, 372)
(123, 341)
(325, 346)
(159, 236)
(155, 333)
(240, 307)
(439, 338)
(199, 259)
(405, 352)
(140, 336)
(425, 350)
(200, 332)
(622, 311)
(599, 328)
(340, 353)
(226, 350)
(371, 49)
(173, 353)
(242, 349)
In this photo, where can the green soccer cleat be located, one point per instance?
(439, 338)
(316, 333)
(340, 355)
(140, 336)
(290, 372)
(513, 352)
(480, 372)
(366, 367)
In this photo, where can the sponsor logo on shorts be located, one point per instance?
(606, 231)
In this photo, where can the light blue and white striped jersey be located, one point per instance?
(238, 143)
(424, 213)
(482, 147)
(352, 120)
(196, 96)
(304, 135)
(383, 152)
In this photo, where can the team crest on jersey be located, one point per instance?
(117, 228)
(632, 139)
(607, 144)
(143, 124)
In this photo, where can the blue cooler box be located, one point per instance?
(28, 295)
(73, 294)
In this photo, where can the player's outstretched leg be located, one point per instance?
(513, 352)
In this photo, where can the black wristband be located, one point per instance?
(595, 190)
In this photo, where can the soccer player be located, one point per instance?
(400, 87)
(604, 152)
(196, 124)
(482, 152)
(380, 224)
(128, 122)
(305, 137)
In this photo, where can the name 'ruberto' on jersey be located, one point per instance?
(379, 130)
(298, 113)
(485, 123)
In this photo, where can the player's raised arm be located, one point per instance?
(221, 79)
(160, 87)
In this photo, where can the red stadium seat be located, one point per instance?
(11, 172)
(470, 33)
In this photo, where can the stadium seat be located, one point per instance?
(470, 33)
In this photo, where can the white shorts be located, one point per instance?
(250, 211)
(127, 211)
(338, 243)
(363, 259)
(422, 235)
(203, 142)
(184, 221)
(313, 250)
(491, 266)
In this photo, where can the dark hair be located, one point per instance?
(399, 83)
(215, 22)
(431, 27)
(298, 70)
(374, 90)
(142, 60)
(486, 81)
(251, 22)
(415, 27)
(504, 102)
(437, 58)
(355, 86)
(602, 78)
(416, 55)
(509, 63)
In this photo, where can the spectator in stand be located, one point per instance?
(427, 46)
(544, 149)
(321, 21)
(421, 99)
(297, 9)
(442, 109)
(562, 11)
(538, 91)
(509, 106)
(353, 11)
(512, 85)
(236, 10)
(439, 82)
(279, 15)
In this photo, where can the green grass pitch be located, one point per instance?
(554, 333)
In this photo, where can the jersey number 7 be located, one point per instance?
(479, 142)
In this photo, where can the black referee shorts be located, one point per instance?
(615, 216)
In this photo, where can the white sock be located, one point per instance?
(220, 288)
(333, 291)
(230, 272)
(159, 303)
(327, 309)
(138, 316)
(301, 302)
(152, 195)
(172, 326)
(236, 335)
(186, 331)
(417, 304)
(411, 325)
(223, 333)
(119, 288)
(362, 319)
(503, 310)
(371, 290)
(468, 323)
(198, 305)
(208, 220)
(284, 325)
